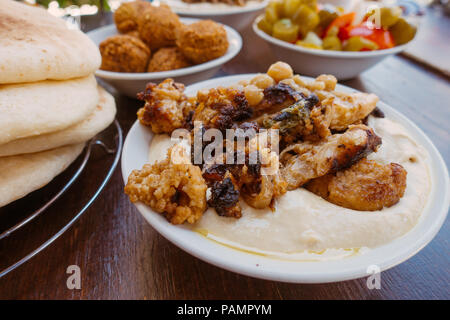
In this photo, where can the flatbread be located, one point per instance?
(20, 175)
(101, 118)
(47, 106)
(34, 46)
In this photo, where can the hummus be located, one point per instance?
(305, 226)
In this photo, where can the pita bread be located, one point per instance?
(101, 118)
(34, 46)
(41, 107)
(20, 175)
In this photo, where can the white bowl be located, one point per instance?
(135, 155)
(234, 16)
(342, 64)
(132, 83)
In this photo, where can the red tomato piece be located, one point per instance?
(381, 37)
(341, 21)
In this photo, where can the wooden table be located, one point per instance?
(122, 257)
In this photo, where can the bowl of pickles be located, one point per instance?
(322, 38)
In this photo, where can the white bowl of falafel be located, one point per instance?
(149, 44)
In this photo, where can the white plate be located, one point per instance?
(342, 64)
(234, 16)
(135, 155)
(132, 83)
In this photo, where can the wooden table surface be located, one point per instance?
(122, 257)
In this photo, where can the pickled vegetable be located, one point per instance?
(402, 32)
(278, 6)
(312, 4)
(306, 18)
(265, 26)
(285, 30)
(380, 36)
(274, 11)
(341, 22)
(332, 43)
(313, 38)
(291, 7)
(271, 15)
(331, 28)
(308, 45)
(333, 31)
(326, 17)
(388, 16)
(359, 44)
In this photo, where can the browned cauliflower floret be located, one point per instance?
(255, 177)
(166, 106)
(172, 187)
(221, 107)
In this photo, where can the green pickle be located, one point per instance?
(290, 7)
(359, 43)
(277, 9)
(388, 16)
(326, 17)
(285, 30)
(306, 18)
(271, 15)
(402, 32)
(265, 26)
(312, 4)
(274, 11)
(332, 43)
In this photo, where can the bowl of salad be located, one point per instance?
(323, 38)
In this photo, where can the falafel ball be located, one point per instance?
(166, 59)
(124, 53)
(158, 27)
(126, 16)
(202, 41)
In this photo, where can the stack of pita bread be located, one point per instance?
(50, 104)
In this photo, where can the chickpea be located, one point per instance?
(262, 81)
(279, 71)
(329, 81)
(299, 81)
(253, 94)
(316, 85)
